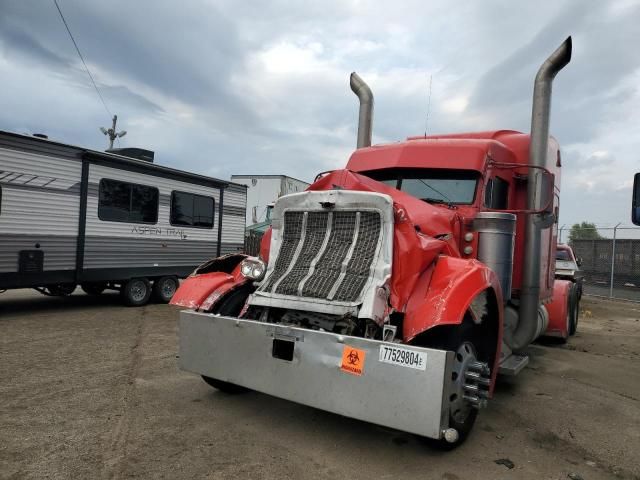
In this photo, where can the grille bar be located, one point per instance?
(310, 243)
(347, 258)
(296, 254)
(314, 262)
(291, 235)
(328, 268)
(361, 261)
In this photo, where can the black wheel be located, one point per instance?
(93, 288)
(61, 289)
(232, 304)
(472, 347)
(164, 288)
(574, 300)
(225, 387)
(136, 292)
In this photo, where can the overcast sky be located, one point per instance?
(262, 87)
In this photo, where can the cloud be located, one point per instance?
(254, 87)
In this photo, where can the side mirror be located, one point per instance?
(635, 204)
(545, 196)
(579, 261)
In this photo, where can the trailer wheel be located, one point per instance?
(164, 288)
(60, 290)
(225, 387)
(470, 346)
(93, 288)
(136, 292)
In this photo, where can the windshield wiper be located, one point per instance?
(437, 191)
(438, 201)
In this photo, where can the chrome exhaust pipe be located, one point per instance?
(529, 326)
(365, 117)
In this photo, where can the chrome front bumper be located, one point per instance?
(314, 368)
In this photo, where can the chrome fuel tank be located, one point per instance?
(496, 235)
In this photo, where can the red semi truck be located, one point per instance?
(396, 289)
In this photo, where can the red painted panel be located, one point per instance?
(194, 290)
(445, 292)
(557, 309)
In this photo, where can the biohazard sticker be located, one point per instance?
(352, 360)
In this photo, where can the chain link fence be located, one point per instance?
(609, 259)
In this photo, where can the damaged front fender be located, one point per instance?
(209, 282)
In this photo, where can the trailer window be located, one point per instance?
(190, 210)
(127, 202)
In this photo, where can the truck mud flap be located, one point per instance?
(384, 383)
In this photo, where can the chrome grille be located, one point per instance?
(315, 231)
(325, 254)
(290, 240)
(362, 257)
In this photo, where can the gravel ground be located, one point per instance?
(90, 389)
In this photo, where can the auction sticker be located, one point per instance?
(403, 357)
(352, 360)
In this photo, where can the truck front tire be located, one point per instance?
(467, 337)
(225, 387)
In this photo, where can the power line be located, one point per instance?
(81, 57)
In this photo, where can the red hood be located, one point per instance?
(434, 221)
(422, 231)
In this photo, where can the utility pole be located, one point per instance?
(111, 132)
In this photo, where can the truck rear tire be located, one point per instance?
(164, 288)
(574, 296)
(136, 292)
(225, 387)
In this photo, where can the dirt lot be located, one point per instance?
(90, 389)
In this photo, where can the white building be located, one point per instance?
(263, 190)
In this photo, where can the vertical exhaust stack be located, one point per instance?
(365, 117)
(529, 326)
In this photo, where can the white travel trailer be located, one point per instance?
(72, 216)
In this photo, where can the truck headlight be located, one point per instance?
(253, 268)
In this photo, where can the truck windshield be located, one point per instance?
(433, 186)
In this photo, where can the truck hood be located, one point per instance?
(421, 232)
(432, 220)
